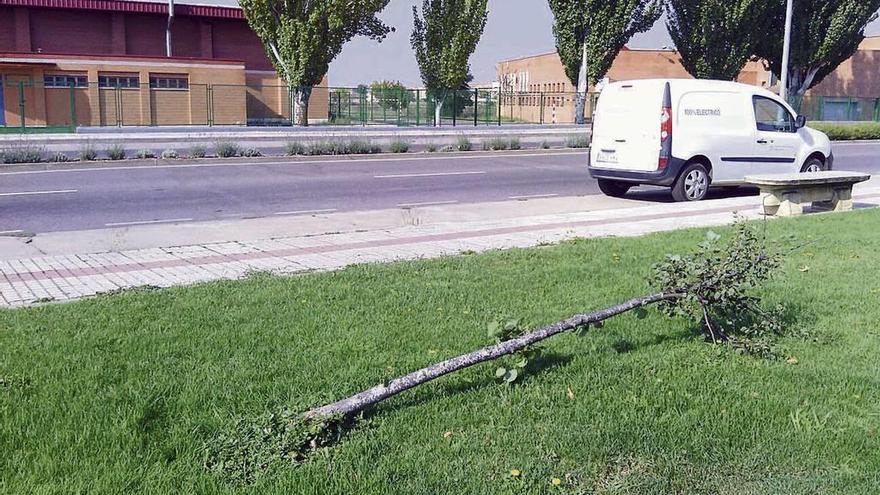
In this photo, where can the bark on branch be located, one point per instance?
(374, 395)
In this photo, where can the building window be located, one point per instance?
(65, 81)
(113, 82)
(168, 82)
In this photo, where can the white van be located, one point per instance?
(692, 134)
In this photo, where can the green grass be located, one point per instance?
(120, 393)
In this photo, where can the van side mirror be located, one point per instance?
(800, 122)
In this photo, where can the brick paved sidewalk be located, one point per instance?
(61, 278)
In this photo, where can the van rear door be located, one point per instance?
(626, 131)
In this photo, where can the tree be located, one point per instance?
(445, 35)
(391, 95)
(302, 37)
(590, 34)
(715, 38)
(824, 34)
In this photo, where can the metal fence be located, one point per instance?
(29, 106)
(839, 108)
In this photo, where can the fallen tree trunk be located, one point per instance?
(374, 395)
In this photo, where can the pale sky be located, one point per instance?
(515, 28)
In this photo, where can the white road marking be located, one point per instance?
(4, 232)
(534, 196)
(357, 161)
(35, 193)
(434, 174)
(429, 203)
(147, 222)
(306, 212)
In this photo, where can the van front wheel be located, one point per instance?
(613, 188)
(692, 184)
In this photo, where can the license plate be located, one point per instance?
(607, 157)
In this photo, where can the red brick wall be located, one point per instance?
(186, 38)
(93, 33)
(234, 40)
(7, 29)
(145, 35)
(57, 31)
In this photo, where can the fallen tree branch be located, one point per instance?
(374, 395)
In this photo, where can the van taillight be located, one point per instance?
(665, 129)
(665, 137)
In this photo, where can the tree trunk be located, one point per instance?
(582, 88)
(438, 112)
(301, 97)
(374, 395)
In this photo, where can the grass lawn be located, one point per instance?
(120, 393)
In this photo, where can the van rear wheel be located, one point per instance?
(692, 184)
(613, 188)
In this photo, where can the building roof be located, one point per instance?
(210, 8)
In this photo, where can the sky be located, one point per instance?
(515, 28)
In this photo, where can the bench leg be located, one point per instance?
(782, 204)
(841, 200)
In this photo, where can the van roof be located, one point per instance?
(696, 84)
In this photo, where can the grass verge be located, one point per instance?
(121, 393)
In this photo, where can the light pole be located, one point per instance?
(786, 50)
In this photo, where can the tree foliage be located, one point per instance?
(606, 25)
(391, 95)
(824, 34)
(302, 37)
(715, 38)
(445, 35)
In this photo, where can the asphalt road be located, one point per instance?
(104, 197)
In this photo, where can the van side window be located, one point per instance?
(772, 116)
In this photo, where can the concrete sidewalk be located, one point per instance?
(71, 265)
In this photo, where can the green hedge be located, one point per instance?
(848, 132)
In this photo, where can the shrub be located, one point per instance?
(170, 154)
(391, 95)
(358, 147)
(226, 149)
(431, 148)
(515, 143)
(545, 145)
(463, 144)
(59, 157)
(198, 151)
(294, 149)
(251, 153)
(88, 153)
(495, 144)
(399, 146)
(116, 152)
(580, 141)
(22, 154)
(849, 132)
(145, 153)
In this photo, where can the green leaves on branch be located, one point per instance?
(824, 34)
(718, 285)
(715, 38)
(518, 361)
(605, 25)
(445, 35)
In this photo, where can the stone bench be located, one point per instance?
(784, 195)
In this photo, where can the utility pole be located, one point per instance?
(786, 50)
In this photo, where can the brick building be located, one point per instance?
(552, 95)
(107, 62)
